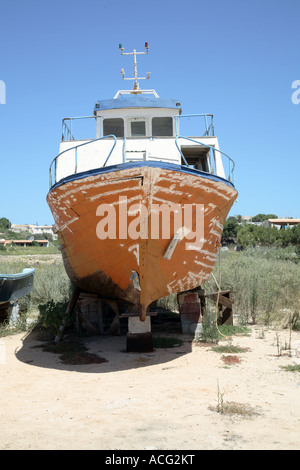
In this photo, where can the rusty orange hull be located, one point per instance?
(109, 226)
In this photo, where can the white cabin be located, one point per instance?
(138, 126)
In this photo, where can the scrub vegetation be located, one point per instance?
(264, 282)
(254, 234)
(51, 287)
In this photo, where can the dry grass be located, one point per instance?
(236, 408)
(232, 407)
(264, 283)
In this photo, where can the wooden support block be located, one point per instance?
(114, 328)
(86, 323)
(89, 314)
(223, 299)
(226, 318)
(190, 312)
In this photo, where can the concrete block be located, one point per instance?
(136, 326)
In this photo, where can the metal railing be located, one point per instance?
(211, 154)
(75, 148)
(209, 131)
(67, 131)
(208, 120)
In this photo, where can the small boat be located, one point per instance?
(15, 286)
(139, 209)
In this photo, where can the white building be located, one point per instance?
(34, 229)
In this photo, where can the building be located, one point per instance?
(34, 229)
(282, 223)
(24, 242)
(246, 218)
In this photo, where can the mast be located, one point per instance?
(136, 88)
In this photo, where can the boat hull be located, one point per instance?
(15, 286)
(119, 239)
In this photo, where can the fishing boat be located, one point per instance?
(15, 286)
(12, 288)
(139, 209)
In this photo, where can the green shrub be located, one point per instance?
(210, 331)
(264, 283)
(51, 316)
(51, 283)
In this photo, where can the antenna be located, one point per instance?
(136, 88)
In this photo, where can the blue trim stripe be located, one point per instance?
(126, 166)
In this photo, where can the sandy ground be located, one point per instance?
(161, 400)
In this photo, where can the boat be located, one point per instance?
(139, 209)
(15, 286)
(12, 288)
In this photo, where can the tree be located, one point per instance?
(4, 223)
(230, 228)
(246, 235)
(295, 234)
(252, 235)
(262, 217)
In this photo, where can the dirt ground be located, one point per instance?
(161, 400)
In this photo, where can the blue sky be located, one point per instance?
(235, 59)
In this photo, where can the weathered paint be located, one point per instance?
(106, 266)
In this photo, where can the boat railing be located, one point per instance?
(212, 159)
(212, 156)
(207, 120)
(67, 131)
(75, 148)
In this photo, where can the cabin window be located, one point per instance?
(138, 128)
(162, 126)
(197, 158)
(114, 126)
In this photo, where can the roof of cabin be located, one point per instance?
(137, 101)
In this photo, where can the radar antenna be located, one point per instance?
(136, 88)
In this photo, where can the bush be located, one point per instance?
(254, 235)
(264, 283)
(52, 315)
(210, 331)
(4, 223)
(50, 283)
